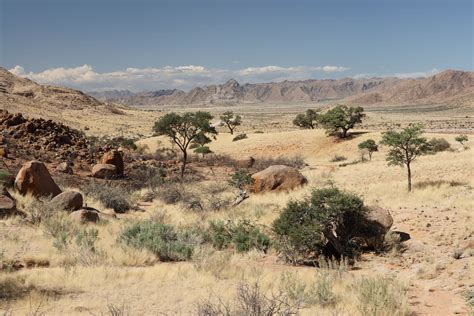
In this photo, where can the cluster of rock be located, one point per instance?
(34, 179)
(42, 139)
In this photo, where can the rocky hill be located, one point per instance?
(449, 86)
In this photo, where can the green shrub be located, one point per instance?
(5, 178)
(61, 228)
(438, 145)
(111, 197)
(163, 240)
(461, 139)
(239, 137)
(337, 158)
(327, 217)
(243, 235)
(240, 179)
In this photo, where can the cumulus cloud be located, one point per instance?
(184, 77)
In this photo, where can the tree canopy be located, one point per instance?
(231, 120)
(341, 119)
(405, 146)
(183, 129)
(307, 120)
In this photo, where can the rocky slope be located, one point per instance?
(449, 86)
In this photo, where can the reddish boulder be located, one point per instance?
(34, 178)
(114, 157)
(69, 200)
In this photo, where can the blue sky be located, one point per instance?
(143, 45)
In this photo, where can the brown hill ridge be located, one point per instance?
(447, 87)
(14, 89)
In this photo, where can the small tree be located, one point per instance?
(307, 120)
(341, 119)
(461, 139)
(199, 144)
(369, 146)
(405, 146)
(183, 129)
(231, 120)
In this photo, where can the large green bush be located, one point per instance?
(328, 219)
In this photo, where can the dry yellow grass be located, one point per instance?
(438, 218)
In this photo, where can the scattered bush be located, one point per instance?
(327, 220)
(115, 198)
(338, 158)
(258, 132)
(439, 145)
(461, 139)
(239, 137)
(380, 296)
(250, 299)
(295, 162)
(61, 229)
(242, 235)
(167, 243)
(6, 178)
(171, 193)
(438, 184)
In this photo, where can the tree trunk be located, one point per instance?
(344, 133)
(335, 242)
(370, 155)
(409, 177)
(183, 165)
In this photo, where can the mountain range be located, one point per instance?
(450, 86)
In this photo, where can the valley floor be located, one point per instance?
(438, 216)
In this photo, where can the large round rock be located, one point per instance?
(69, 200)
(376, 223)
(277, 178)
(34, 178)
(114, 157)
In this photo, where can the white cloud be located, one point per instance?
(401, 75)
(184, 77)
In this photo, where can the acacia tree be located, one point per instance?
(231, 120)
(341, 119)
(199, 144)
(183, 129)
(405, 146)
(369, 146)
(307, 120)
